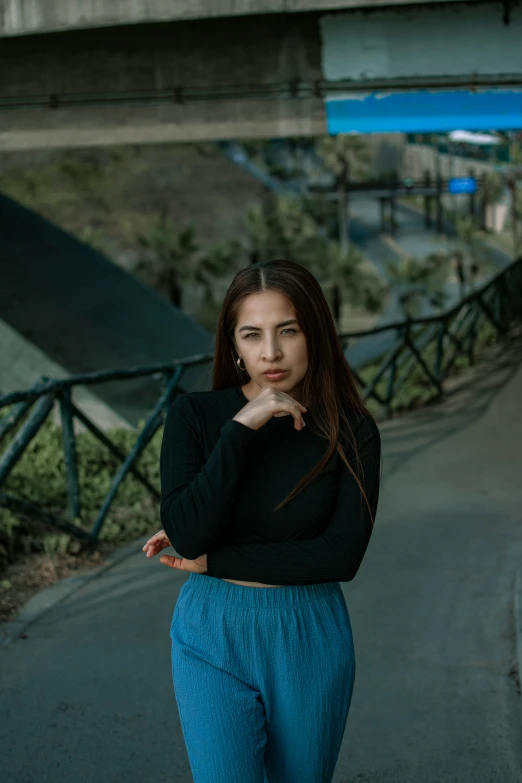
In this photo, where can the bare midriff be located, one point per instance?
(249, 584)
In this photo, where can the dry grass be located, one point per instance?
(22, 580)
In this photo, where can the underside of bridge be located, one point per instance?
(23, 17)
(264, 68)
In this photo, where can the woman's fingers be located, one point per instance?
(158, 539)
(156, 547)
(199, 565)
(170, 560)
(299, 422)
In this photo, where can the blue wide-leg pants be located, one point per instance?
(263, 679)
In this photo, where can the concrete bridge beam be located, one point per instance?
(414, 68)
(24, 17)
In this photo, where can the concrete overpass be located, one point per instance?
(22, 17)
(76, 74)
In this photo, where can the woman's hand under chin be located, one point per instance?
(160, 541)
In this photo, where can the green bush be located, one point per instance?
(39, 477)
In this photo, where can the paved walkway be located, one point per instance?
(87, 694)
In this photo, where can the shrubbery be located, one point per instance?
(39, 477)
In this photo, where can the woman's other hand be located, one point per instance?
(199, 565)
(160, 541)
(156, 543)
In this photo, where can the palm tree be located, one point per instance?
(471, 256)
(348, 157)
(281, 226)
(419, 281)
(324, 212)
(426, 280)
(217, 262)
(342, 274)
(172, 259)
(255, 241)
(167, 255)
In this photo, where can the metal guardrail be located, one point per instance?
(499, 302)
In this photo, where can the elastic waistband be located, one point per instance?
(257, 597)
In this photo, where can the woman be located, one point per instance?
(254, 500)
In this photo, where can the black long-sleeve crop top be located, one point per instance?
(220, 481)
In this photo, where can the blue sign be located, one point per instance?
(462, 185)
(424, 111)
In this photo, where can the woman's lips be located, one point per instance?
(275, 376)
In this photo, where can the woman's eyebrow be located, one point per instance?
(283, 323)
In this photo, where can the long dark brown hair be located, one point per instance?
(329, 386)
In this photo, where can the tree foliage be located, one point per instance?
(172, 259)
(284, 227)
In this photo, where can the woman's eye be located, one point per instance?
(250, 334)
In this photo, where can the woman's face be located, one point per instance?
(264, 341)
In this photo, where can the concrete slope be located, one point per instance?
(22, 364)
(87, 314)
(435, 696)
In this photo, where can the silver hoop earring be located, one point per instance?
(238, 362)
